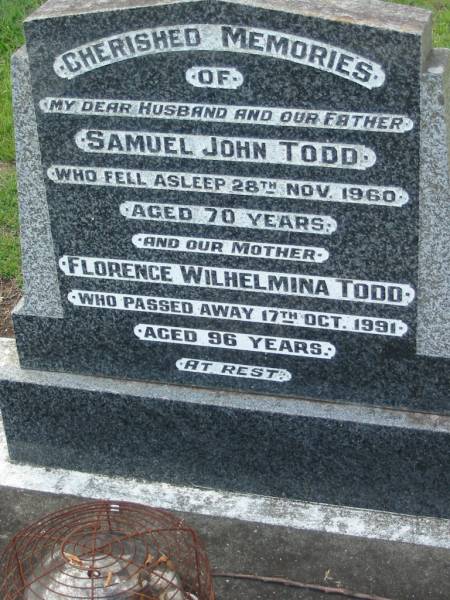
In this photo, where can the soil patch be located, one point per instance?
(6, 166)
(10, 294)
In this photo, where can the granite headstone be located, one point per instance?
(247, 196)
(233, 195)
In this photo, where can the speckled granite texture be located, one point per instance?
(354, 456)
(421, 383)
(371, 242)
(41, 290)
(374, 13)
(433, 332)
(86, 220)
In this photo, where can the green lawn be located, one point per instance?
(441, 10)
(12, 13)
(9, 226)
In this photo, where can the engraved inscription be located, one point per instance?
(234, 341)
(221, 113)
(209, 367)
(230, 184)
(238, 312)
(247, 199)
(214, 77)
(229, 217)
(230, 248)
(202, 147)
(220, 38)
(312, 286)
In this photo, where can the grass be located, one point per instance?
(441, 11)
(9, 226)
(12, 13)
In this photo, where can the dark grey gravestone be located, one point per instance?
(243, 196)
(233, 197)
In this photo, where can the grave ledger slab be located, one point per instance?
(326, 452)
(248, 196)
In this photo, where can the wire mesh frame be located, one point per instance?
(116, 550)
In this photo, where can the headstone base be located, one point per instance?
(321, 452)
(412, 383)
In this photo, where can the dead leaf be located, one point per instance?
(73, 559)
(141, 580)
(150, 558)
(108, 579)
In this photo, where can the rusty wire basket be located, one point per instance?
(106, 550)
